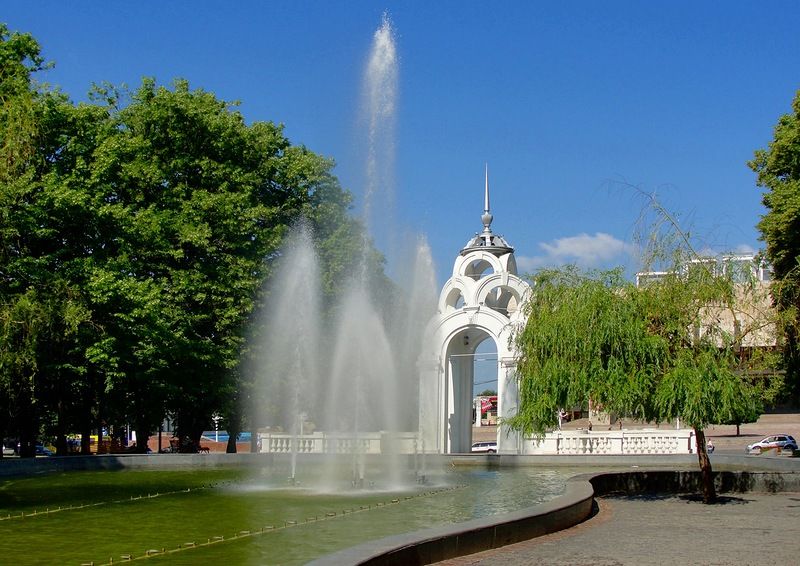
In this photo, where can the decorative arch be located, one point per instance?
(455, 294)
(476, 265)
(481, 300)
(501, 293)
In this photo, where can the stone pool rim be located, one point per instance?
(605, 474)
(739, 474)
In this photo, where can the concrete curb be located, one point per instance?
(13, 467)
(735, 474)
(673, 482)
(449, 541)
(10, 467)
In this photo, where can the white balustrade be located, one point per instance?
(568, 442)
(337, 443)
(618, 442)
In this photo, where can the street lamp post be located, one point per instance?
(216, 419)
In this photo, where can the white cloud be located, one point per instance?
(584, 250)
(741, 249)
(744, 249)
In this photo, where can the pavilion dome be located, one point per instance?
(488, 242)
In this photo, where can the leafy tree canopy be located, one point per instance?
(135, 235)
(778, 170)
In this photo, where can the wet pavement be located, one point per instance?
(743, 529)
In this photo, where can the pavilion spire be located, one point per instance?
(487, 240)
(486, 217)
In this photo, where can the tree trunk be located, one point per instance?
(28, 428)
(234, 427)
(60, 429)
(61, 444)
(86, 438)
(91, 407)
(4, 425)
(737, 429)
(709, 493)
(142, 437)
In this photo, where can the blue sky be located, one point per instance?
(567, 102)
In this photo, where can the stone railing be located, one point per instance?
(335, 443)
(568, 442)
(285, 444)
(627, 442)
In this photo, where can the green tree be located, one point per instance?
(43, 309)
(136, 232)
(196, 202)
(20, 57)
(778, 170)
(656, 353)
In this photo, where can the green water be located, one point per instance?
(235, 516)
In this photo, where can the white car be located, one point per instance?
(488, 447)
(782, 441)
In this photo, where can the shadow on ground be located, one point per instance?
(685, 497)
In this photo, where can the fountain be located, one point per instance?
(290, 354)
(379, 104)
(360, 387)
(224, 514)
(355, 377)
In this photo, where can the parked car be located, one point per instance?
(42, 450)
(9, 446)
(489, 447)
(782, 441)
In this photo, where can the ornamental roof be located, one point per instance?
(487, 240)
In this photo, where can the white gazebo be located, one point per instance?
(481, 301)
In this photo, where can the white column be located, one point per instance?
(459, 403)
(508, 441)
(431, 400)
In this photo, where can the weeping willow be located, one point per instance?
(648, 352)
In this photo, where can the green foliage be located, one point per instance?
(679, 347)
(778, 170)
(135, 235)
(19, 58)
(583, 340)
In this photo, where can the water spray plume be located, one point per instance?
(358, 385)
(380, 91)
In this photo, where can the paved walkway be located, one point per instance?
(746, 529)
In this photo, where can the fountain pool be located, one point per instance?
(231, 515)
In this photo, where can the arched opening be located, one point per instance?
(454, 300)
(478, 268)
(485, 393)
(503, 299)
(485, 360)
(471, 369)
